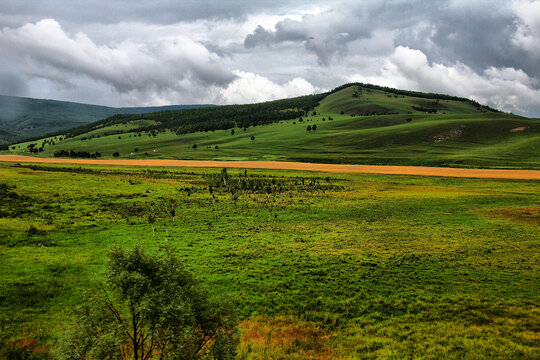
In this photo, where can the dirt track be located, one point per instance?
(278, 165)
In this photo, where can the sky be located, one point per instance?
(143, 53)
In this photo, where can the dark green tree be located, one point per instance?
(150, 307)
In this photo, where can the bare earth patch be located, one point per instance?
(528, 214)
(518, 129)
(448, 136)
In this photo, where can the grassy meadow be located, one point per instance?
(370, 127)
(322, 266)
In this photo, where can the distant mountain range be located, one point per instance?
(26, 117)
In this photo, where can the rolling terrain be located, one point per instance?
(354, 124)
(328, 263)
(26, 117)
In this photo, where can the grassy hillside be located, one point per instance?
(26, 117)
(354, 124)
(321, 267)
(365, 101)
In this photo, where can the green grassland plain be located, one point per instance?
(322, 266)
(458, 135)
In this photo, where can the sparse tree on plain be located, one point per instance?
(150, 307)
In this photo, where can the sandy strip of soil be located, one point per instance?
(279, 165)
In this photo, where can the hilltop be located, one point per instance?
(354, 123)
(22, 117)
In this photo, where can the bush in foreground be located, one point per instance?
(150, 307)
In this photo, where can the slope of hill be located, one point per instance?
(27, 117)
(355, 123)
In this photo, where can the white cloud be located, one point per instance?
(129, 66)
(507, 89)
(251, 88)
(157, 66)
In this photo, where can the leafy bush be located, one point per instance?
(150, 307)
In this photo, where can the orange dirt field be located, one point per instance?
(278, 165)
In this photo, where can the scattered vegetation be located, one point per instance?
(341, 266)
(77, 154)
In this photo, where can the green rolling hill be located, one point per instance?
(355, 123)
(26, 117)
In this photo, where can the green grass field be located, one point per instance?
(458, 135)
(322, 266)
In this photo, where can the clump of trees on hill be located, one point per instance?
(213, 118)
(425, 109)
(77, 154)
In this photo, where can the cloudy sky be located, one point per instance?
(134, 53)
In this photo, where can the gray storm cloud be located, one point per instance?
(12, 85)
(324, 35)
(165, 63)
(242, 51)
(115, 11)
(478, 34)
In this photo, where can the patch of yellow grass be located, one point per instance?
(282, 338)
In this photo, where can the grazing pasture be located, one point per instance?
(321, 266)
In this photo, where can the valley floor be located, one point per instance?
(321, 265)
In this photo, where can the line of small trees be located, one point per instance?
(77, 154)
(425, 109)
